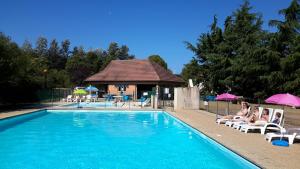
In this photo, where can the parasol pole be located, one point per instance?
(90, 90)
(217, 110)
(227, 107)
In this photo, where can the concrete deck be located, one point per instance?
(16, 113)
(253, 146)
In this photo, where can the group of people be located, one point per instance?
(253, 117)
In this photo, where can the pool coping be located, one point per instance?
(22, 114)
(235, 152)
(85, 108)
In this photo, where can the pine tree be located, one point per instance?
(286, 43)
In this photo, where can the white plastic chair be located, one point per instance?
(69, 98)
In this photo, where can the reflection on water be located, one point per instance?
(115, 124)
(79, 119)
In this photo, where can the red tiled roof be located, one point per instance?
(135, 71)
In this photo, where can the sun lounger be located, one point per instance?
(237, 125)
(258, 123)
(142, 103)
(69, 98)
(267, 126)
(231, 123)
(89, 99)
(290, 134)
(228, 121)
(223, 121)
(77, 99)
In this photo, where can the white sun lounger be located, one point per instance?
(223, 121)
(290, 134)
(264, 127)
(235, 118)
(143, 103)
(237, 125)
(256, 125)
(69, 98)
(89, 99)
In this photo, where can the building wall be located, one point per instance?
(130, 90)
(186, 98)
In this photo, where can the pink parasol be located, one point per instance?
(226, 96)
(284, 99)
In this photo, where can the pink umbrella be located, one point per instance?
(226, 96)
(284, 99)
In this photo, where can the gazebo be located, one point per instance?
(134, 77)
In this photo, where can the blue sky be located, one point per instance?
(145, 26)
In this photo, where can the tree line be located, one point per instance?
(26, 69)
(242, 58)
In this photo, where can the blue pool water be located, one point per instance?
(93, 139)
(92, 104)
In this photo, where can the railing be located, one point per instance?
(165, 103)
(53, 95)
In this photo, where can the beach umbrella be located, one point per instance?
(284, 99)
(226, 97)
(91, 89)
(80, 92)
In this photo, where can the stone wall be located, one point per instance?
(186, 98)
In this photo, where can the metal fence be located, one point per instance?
(53, 95)
(220, 107)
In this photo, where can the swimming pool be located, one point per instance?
(108, 139)
(92, 105)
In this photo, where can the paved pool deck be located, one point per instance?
(252, 145)
(16, 113)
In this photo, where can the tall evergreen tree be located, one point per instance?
(286, 43)
(53, 54)
(237, 59)
(65, 49)
(42, 46)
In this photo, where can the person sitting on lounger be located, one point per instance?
(263, 120)
(254, 116)
(243, 112)
(277, 118)
(265, 115)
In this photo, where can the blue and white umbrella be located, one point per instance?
(91, 89)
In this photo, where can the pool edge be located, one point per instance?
(22, 114)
